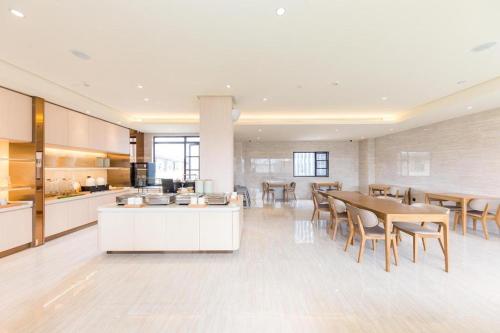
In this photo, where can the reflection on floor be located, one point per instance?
(288, 277)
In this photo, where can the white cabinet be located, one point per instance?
(216, 231)
(56, 217)
(15, 116)
(151, 234)
(182, 231)
(64, 127)
(78, 127)
(78, 213)
(15, 228)
(56, 125)
(116, 231)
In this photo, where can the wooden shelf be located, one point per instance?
(16, 188)
(16, 159)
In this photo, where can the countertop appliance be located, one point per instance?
(216, 199)
(185, 199)
(159, 199)
(142, 174)
(123, 199)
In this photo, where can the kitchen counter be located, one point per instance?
(55, 200)
(25, 205)
(170, 228)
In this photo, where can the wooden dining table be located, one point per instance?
(382, 189)
(278, 184)
(329, 185)
(391, 211)
(461, 198)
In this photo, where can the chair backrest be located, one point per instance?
(336, 206)
(437, 209)
(352, 214)
(490, 205)
(399, 200)
(316, 200)
(368, 218)
(293, 184)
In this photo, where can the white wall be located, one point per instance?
(464, 155)
(279, 156)
(366, 164)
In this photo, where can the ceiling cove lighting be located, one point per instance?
(483, 47)
(16, 13)
(280, 11)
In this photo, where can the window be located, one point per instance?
(314, 164)
(177, 157)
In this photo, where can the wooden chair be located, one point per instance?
(421, 230)
(290, 189)
(319, 207)
(338, 211)
(365, 223)
(483, 210)
(266, 190)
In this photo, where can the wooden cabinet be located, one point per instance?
(78, 130)
(15, 116)
(56, 125)
(64, 127)
(15, 228)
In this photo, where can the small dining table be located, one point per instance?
(461, 198)
(391, 211)
(329, 185)
(278, 184)
(383, 189)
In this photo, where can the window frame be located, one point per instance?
(185, 143)
(316, 153)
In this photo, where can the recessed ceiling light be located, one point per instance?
(280, 11)
(260, 129)
(469, 107)
(146, 99)
(80, 54)
(17, 13)
(299, 86)
(119, 123)
(86, 84)
(228, 86)
(87, 112)
(461, 82)
(384, 98)
(264, 99)
(335, 83)
(483, 47)
(140, 86)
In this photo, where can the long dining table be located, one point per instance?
(391, 211)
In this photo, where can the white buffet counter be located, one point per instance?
(170, 228)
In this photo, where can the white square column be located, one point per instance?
(217, 141)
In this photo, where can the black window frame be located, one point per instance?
(316, 153)
(187, 171)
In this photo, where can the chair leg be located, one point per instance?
(361, 249)
(485, 228)
(442, 246)
(374, 242)
(350, 236)
(314, 214)
(423, 243)
(456, 220)
(335, 229)
(395, 251)
(415, 249)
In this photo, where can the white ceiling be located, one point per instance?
(412, 52)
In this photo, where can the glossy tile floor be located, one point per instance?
(287, 277)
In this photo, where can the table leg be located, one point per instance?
(427, 199)
(464, 216)
(446, 237)
(388, 230)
